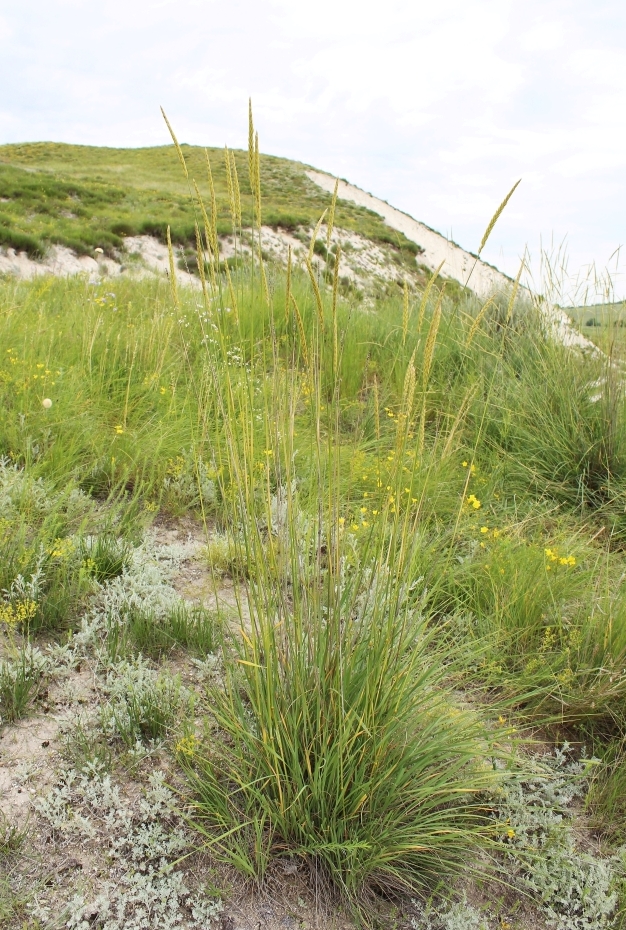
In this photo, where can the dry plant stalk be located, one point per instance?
(331, 216)
(175, 141)
(251, 167)
(231, 291)
(405, 312)
(408, 389)
(173, 285)
(376, 408)
(288, 287)
(318, 296)
(200, 260)
(335, 294)
(429, 351)
(426, 295)
(257, 181)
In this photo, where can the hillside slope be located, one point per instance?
(82, 197)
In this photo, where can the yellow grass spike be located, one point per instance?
(496, 215)
(175, 141)
(315, 235)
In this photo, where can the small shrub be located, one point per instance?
(142, 704)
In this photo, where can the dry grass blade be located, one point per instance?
(288, 287)
(231, 291)
(408, 390)
(496, 216)
(477, 322)
(331, 215)
(303, 343)
(316, 291)
(175, 141)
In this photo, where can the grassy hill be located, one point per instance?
(84, 196)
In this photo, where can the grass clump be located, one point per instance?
(20, 679)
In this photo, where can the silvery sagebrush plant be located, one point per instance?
(145, 889)
(575, 889)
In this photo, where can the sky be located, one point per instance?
(437, 107)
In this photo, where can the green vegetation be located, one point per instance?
(421, 514)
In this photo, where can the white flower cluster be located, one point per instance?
(144, 889)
